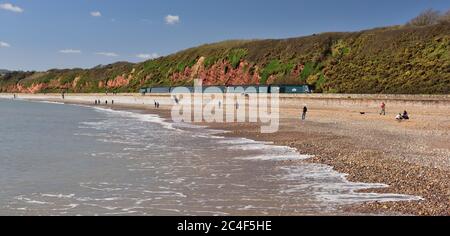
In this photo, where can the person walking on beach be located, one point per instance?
(305, 110)
(112, 102)
(14, 96)
(383, 109)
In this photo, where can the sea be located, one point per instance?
(59, 159)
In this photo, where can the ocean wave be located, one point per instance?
(142, 117)
(276, 157)
(50, 102)
(325, 186)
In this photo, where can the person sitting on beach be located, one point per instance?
(399, 117)
(405, 115)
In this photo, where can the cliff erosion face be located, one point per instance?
(34, 88)
(119, 81)
(407, 60)
(221, 73)
(56, 85)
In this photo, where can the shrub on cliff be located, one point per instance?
(425, 18)
(429, 17)
(277, 68)
(235, 56)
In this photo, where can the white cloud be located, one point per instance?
(70, 51)
(96, 14)
(171, 20)
(147, 56)
(4, 45)
(11, 7)
(107, 54)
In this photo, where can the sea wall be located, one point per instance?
(368, 100)
(286, 100)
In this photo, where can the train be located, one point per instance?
(283, 89)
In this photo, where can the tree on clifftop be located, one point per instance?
(428, 17)
(445, 17)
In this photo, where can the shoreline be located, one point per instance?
(412, 158)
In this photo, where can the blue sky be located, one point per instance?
(44, 34)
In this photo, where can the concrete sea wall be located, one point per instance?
(286, 100)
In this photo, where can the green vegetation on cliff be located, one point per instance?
(399, 60)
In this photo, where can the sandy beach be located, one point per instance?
(412, 157)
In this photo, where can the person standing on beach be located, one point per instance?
(14, 96)
(305, 110)
(383, 109)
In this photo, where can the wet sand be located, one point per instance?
(412, 157)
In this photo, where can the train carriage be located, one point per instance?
(247, 89)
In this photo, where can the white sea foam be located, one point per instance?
(242, 141)
(142, 117)
(326, 190)
(50, 102)
(69, 207)
(60, 196)
(276, 157)
(269, 152)
(31, 201)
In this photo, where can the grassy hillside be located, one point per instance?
(397, 60)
